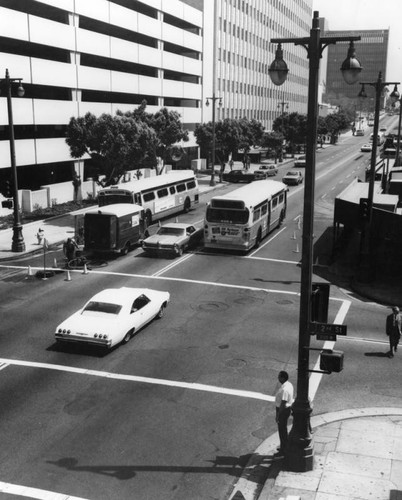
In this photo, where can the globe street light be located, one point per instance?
(367, 271)
(18, 244)
(299, 456)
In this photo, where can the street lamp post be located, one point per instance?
(299, 456)
(213, 99)
(18, 244)
(282, 105)
(398, 143)
(367, 271)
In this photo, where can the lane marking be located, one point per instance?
(266, 243)
(26, 491)
(144, 380)
(173, 264)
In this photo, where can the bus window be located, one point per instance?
(149, 196)
(191, 185)
(162, 192)
(172, 190)
(180, 188)
(256, 215)
(264, 209)
(281, 198)
(274, 202)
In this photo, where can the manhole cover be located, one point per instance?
(248, 300)
(212, 306)
(223, 346)
(235, 363)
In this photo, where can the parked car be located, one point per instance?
(174, 237)
(300, 161)
(113, 316)
(260, 175)
(293, 177)
(366, 148)
(238, 176)
(271, 170)
(359, 132)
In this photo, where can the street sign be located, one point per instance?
(325, 328)
(326, 336)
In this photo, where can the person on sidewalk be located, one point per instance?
(283, 403)
(393, 328)
(70, 248)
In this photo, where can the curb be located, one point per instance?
(263, 475)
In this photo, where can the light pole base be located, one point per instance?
(212, 182)
(18, 244)
(299, 458)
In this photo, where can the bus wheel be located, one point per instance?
(148, 218)
(258, 239)
(125, 249)
(187, 205)
(281, 218)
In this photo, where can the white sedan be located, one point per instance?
(113, 316)
(366, 148)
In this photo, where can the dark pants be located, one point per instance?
(283, 428)
(393, 342)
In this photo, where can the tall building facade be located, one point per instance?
(371, 51)
(100, 56)
(243, 53)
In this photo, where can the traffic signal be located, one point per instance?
(8, 203)
(7, 189)
(364, 209)
(319, 302)
(331, 361)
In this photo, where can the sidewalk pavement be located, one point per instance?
(358, 456)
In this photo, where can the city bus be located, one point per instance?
(159, 196)
(241, 219)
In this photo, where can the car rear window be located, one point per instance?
(103, 307)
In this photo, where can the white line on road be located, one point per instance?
(25, 491)
(266, 243)
(143, 380)
(173, 264)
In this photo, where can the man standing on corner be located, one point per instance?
(283, 402)
(393, 329)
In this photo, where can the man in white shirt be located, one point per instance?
(283, 402)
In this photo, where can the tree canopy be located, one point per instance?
(125, 141)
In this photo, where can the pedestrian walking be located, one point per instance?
(393, 328)
(40, 235)
(283, 403)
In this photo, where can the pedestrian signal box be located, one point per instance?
(7, 203)
(319, 302)
(331, 361)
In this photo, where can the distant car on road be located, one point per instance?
(113, 316)
(300, 161)
(366, 148)
(270, 170)
(383, 129)
(238, 176)
(174, 237)
(359, 132)
(293, 177)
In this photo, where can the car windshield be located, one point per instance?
(177, 231)
(292, 174)
(103, 307)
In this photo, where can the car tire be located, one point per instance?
(180, 251)
(127, 336)
(161, 312)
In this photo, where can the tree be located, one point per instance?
(168, 129)
(126, 141)
(294, 128)
(273, 141)
(114, 143)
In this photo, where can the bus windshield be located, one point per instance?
(110, 198)
(227, 215)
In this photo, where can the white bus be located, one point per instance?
(160, 195)
(239, 220)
